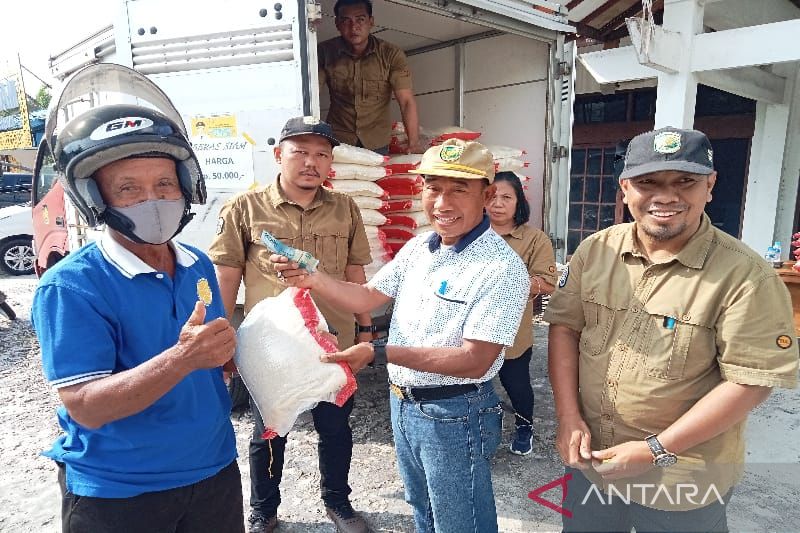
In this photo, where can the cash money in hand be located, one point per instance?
(302, 258)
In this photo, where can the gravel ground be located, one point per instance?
(29, 499)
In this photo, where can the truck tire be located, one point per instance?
(240, 397)
(16, 256)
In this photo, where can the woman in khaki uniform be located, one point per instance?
(509, 213)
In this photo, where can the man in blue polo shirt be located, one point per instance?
(459, 294)
(133, 338)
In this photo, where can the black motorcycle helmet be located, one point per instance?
(108, 133)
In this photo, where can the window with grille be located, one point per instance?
(592, 193)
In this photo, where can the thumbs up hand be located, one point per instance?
(202, 345)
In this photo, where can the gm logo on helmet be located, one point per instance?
(120, 126)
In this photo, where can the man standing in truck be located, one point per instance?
(362, 72)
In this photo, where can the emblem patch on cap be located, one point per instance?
(667, 142)
(204, 291)
(784, 341)
(562, 280)
(310, 121)
(710, 156)
(450, 152)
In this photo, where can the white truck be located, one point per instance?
(237, 71)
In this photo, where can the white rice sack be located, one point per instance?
(374, 233)
(358, 188)
(277, 355)
(404, 159)
(371, 269)
(510, 164)
(348, 171)
(346, 153)
(505, 152)
(371, 217)
(370, 202)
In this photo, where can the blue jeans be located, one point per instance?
(443, 451)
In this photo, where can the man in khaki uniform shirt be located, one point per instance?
(362, 72)
(300, 213)
(665, 333)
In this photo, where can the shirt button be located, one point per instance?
(606, 417)
(160, 276)
(686, 317)
(610, 383)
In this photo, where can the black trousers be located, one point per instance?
(516, 379)
(591, 515)
(335, 450)
(213, 504)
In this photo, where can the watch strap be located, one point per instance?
(655, 446)
(372, 328)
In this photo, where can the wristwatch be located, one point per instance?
(661, 457)
(372, 328)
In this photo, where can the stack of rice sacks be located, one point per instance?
(404, 215)
(509, 159)
(398, 143)
(355, 172)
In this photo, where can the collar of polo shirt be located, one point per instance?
(129, 265)
(435, 240)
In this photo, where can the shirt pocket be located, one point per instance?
(376, 91)
(341, 84)
(599, 313)
(678, 346)
(259, 253)
(331, 249)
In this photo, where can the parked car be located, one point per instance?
(16, 239)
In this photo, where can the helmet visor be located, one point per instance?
(104, 84)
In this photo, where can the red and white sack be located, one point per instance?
(403, 233)
(509, 165)
(406, 205)
(371, 269)
(400, 164)
(346, 153)
(379, 251)
(410, 220)
(402, 185)
(358, 188)
(370, 202)
(277, 354)
(374, 233)
(372, 217)
(451, 132)
(395, 244)
(505, 152)
(349, 171)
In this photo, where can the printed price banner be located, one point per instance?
(226, 156)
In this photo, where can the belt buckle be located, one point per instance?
(397, 391)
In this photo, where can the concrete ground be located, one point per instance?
(766, 500)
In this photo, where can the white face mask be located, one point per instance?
(155, 221)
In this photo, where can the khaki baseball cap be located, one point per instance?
(457, 159)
